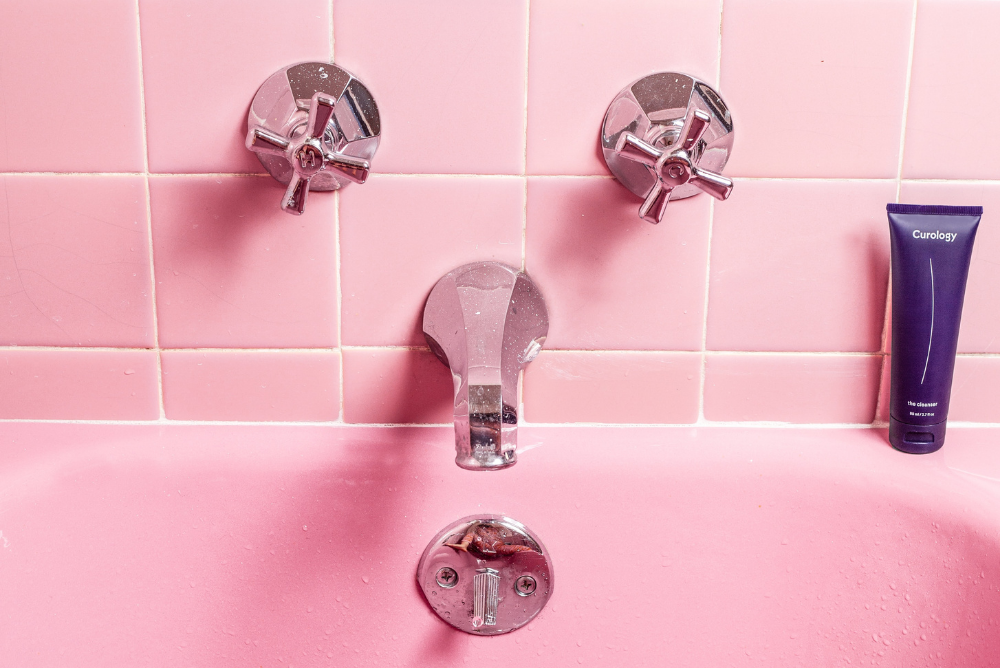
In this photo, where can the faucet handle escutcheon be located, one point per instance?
(668, 136)
(313, 126)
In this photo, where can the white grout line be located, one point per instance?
(971, 182)
(116, 349)
(708, 254)
(906, 99)
(143, 173)
(382, 175)
(377, 175)
(527, 54)
(704, 315)
(340, 297)
(887, 313)
(218, 423)
(386, 348)
(718, 64)
(534, 425)
(149, 215)
(524, 228)
(524, 155)
(337, 259)
(793, 353)
(141, 105)
(329, 9)
(546, 351)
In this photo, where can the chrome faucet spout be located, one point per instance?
(486, 321)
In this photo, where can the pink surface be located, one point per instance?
(78, 385)
(448, 76)
(296, 546)
(396, 386)
(233, 270)
(203, 60)
(74, 262)
(611, 280)
(69, 87)
(980, 330)
(610, 387)
(399, 235)
(955, 49)
(800, 266)
(792, 388)
(257, 386)
(581, 54)
(816, 88)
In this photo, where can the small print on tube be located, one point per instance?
(931, 250)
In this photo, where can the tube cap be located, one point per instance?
(916, 439)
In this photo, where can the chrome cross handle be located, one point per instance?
(667, 136)
(313, 126)
(306, 154)
(673, 166)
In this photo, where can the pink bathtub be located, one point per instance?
(295, 546)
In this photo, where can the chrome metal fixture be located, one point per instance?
(486, 574)
(667, 136)
(486, 321)
(314, 127)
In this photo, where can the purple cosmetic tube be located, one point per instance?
(931, 250)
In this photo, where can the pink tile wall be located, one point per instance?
(146, 272)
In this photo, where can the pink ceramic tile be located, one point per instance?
(401, 234)
(611, 280)
(581, 54)
(69, 87)
(792, 388)
(78, 385)
(974, 390)
(203, 60)
(800, 266)
(954, 75)
(233, 270)
(816, 88)
(396, 386)
(980, 330)
(612, 387)
(74, 262)
(448, 77)
(257, 386)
